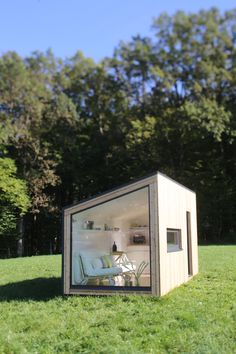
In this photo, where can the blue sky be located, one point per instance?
(93, 26)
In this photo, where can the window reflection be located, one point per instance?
(110, 243)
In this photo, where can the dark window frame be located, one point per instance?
(107, 287)
(189, 243)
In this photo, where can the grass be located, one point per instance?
(198, 317)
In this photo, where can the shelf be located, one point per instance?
(143, 246)
(139, 228)
(93, 230)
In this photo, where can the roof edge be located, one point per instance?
(123, 186)
(110, 190)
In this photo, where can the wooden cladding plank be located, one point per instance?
(173, 202)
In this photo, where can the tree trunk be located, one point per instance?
(20, 242)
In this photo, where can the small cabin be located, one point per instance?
(140, 238)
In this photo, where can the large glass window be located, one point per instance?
(111, 245)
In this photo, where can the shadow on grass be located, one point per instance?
(39, 289)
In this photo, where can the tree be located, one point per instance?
(14, 203)
(75, 128)
(185, 126)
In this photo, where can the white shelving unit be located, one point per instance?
(139, 231)
(93, 230)
(138, 252)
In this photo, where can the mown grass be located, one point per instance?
(198, 317)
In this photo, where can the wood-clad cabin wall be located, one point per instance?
(169, 203)
(149, 181)
(174, 201)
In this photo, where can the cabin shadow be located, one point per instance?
(38, 289)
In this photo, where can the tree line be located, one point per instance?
(73, 128)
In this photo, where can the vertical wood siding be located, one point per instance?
(174, 201)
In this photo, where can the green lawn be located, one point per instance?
(198, 317)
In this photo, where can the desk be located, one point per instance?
(118, 255)
(122, 261)
(139, 253)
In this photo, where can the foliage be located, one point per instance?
(75, 128)
(14, 202)
(12, 189)
(137, 272)
(8, 224)
(198, 317)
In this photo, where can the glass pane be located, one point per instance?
(173, 240)
(110, 243)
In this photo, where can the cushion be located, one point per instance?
(107, 261)
(107, 271)
(77, 272)
(97, 263)
(87, 265)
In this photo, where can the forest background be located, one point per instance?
(72, 128)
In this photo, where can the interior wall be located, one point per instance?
(117, 215)
(173, 202)
(94, 230)
(87, 239)
(103, 240)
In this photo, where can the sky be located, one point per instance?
(93, 26)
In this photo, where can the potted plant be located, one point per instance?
(137, 272)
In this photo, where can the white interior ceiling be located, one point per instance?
(131, 206)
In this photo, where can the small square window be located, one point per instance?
(174, 241)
